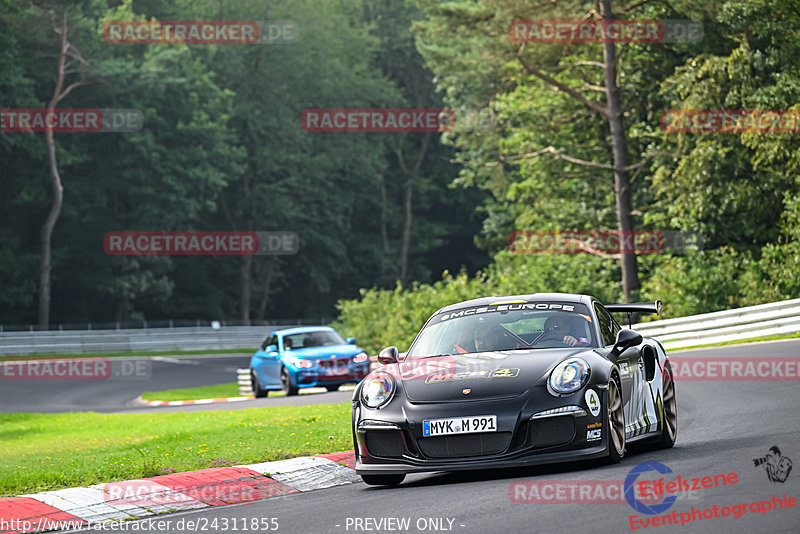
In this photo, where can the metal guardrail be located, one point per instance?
(162, 323)
(731, 325)
(156, 339)
(775, 318)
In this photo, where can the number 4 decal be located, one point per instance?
(593, 402)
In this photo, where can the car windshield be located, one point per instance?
(311, 339)
(529, 325)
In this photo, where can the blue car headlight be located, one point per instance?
(569, 375)
(378, 390)
(301, 363)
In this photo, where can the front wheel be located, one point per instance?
(286, 383)
(669, 430)
(616, 423)
(383, 480)
(258, 392)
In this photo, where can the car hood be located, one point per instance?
(313, 353)
(485, 374)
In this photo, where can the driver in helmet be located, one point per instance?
(561, 327)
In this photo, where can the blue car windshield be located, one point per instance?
(530, 325)
(312, 339)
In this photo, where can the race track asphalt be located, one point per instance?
(723, 427)
(116, 394)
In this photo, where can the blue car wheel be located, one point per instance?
(258, 391)
(286, 383)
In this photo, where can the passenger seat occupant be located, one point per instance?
(492, 337)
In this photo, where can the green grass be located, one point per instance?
(244, 351)
(203, 392)
(739, 341)
(50, 451)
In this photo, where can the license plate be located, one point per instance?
(459, 425)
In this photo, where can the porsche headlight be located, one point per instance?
(377, 390)
(569, 375)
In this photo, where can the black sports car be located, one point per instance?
(508, 381)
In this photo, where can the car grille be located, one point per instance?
(464, 445)
(386, 443)
(341, 366)
(552, 431)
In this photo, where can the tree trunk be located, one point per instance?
(406, 237)
(123, 310)
(262, 306)
(244, 301)
(411, 176)
(45, 265)
(384, 215)
(622, 190)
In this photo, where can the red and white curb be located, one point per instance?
(188, 402)
(133, 499)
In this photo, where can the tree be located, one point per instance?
(76, 66)
(484, 74)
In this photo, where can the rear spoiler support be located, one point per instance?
(636, 307)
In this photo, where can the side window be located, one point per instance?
(608, 327)
(271, 340)
(615, 327)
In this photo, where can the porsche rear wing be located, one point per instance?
(636, 307)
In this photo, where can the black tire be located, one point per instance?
(383, 480)
(254, 385)
(286, 383)
(616, 423)
(669, 430)
(332, 388)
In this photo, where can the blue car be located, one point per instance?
(306, 357)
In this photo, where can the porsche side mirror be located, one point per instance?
(351, 340)
(388, 355)
(271, 348)
(625, 339)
